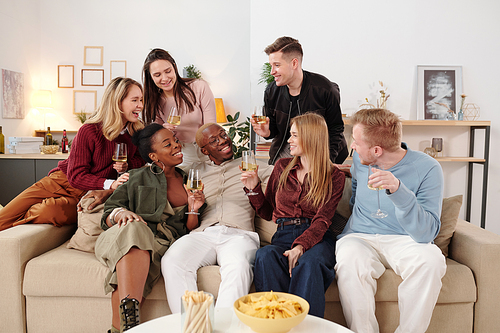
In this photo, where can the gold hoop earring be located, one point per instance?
(154, 163)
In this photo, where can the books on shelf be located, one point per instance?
(24, 145)
(262, 149)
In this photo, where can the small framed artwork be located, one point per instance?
(13, 94)
(92, 77)
(439, 91)
(93, 55)
(117, 68)
(84, 101)
(65, 76)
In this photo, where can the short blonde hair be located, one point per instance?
(109, 115)
(381, 128)
(199, 133)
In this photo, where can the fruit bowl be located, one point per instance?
(49, 149)
(268, 325)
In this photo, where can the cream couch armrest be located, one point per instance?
(18, 245)
(479, 249)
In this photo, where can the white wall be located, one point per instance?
(354, 43)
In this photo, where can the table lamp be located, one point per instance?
(42, 101)
(219, 109)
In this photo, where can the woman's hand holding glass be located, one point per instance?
(173, 119)
(196, 199)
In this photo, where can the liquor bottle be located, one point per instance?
(64, 142)
(2, 142)
(48, 138)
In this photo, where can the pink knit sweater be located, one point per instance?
(89, 163)
(204, 112)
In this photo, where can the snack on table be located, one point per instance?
(196, 305)
(270, 306)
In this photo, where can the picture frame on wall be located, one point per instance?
(65, 76)
(117, 68)
(93, 55)
(439, 90)
(84, 101)
(92, 77)
(12, 94)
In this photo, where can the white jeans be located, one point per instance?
(363, 258)
(231, 248)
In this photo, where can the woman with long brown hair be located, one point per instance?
(165, 89)
(301, 198)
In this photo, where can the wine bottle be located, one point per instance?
(2, 142)
(48, 138)
(64, 142)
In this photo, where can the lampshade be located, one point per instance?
(42, 99)
(219, 109)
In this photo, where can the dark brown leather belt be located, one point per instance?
(293, 220)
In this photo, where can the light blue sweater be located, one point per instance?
(414, 209)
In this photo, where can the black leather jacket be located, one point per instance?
(317, 94)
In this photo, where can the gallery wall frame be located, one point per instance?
(84, 101)
(12, 94)
(93, 55)
(117, 68)
(439, 88)
(92, 77)
(65, 76)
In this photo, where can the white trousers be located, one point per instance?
(363, 258)
(231, 248)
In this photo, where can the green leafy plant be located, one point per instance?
(192, 72)
(81, 117)
(239, 133)
(265, 74)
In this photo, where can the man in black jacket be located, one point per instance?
(293, 92)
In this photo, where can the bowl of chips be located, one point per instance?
(271, 312)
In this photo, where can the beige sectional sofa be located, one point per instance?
(47, 287)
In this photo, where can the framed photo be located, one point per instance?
(84, 101)
(12, 94)
(92, 77)
(93, 55)
(117, 68)
(439, 90)
(65, 76)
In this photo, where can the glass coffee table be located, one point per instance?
(227, 322)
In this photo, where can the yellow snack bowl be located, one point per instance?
(49, 149)
(267, 325)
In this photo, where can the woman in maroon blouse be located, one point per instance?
(53, 199)
(301, 197)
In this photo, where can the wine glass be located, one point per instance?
(248, 163)
(258, 115)
(379, 214)
(174, 117)
(194, 184)
(120, 154)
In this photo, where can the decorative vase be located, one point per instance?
(460, 115)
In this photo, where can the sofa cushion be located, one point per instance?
(449, 219)
(89, 227)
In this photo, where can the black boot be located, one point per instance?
(129, 313)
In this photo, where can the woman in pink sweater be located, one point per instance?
(54, 198)
(165, 89)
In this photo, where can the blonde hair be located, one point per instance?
(109, 114)
(199, 133)
(313, 138)
(381, 128)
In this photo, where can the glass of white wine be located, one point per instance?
(194, 184)
(174, 117)
(120, 154)
(258, 115)
(248, 163)
(379, 214)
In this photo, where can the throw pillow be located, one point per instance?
(89, 227)
(449, 219)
